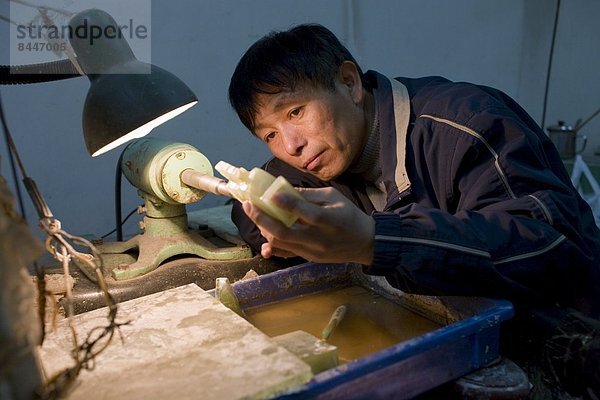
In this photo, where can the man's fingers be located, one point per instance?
(308, 211)
(268, 250)
(269, 227)
(261, 219)
(320, 196)
(280, 237)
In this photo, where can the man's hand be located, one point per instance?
(329, 228)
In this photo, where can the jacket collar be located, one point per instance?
(393, 112)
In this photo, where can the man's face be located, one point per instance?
(314, 130)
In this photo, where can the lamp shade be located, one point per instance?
(127, 98)
(122, 107)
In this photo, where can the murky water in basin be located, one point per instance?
(371, 322)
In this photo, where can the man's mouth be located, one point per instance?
(313, 162)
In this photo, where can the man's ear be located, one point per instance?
(350, 78)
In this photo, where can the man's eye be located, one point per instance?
(269, 136)
(295, 112)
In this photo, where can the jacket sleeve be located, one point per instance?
(505, 221)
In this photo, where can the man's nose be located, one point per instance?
(293, 140)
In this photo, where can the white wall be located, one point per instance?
(499, 43)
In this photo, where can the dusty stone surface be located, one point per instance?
(55, 283)
(181, 344)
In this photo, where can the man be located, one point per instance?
(443, 188)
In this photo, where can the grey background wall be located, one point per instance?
(504, 44)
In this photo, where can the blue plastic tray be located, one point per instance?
(468, 339)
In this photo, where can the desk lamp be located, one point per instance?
(126, 100)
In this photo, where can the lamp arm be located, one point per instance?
(37, 73)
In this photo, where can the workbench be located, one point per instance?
(183, 343)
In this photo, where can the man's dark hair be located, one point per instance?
(282, 61)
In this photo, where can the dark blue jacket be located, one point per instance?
(478, 200)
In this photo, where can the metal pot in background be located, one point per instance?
(565, 139)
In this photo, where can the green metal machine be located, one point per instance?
(155, 167)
